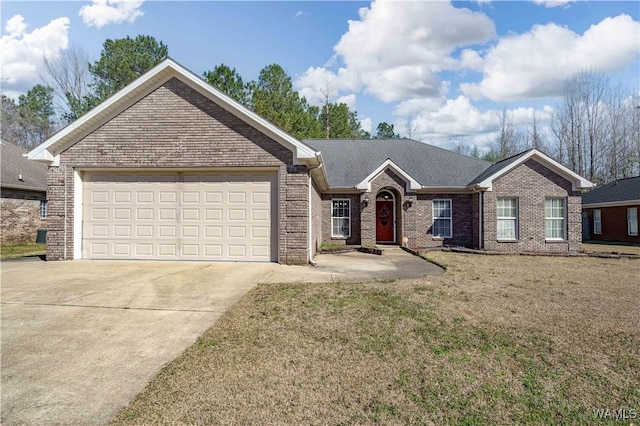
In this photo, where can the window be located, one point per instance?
(442, 218)
(597, 222)
(632, 221)
(43, 209)
(341, 218)
(554, 218)
(507, 218)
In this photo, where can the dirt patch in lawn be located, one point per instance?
(496, 339)
(596, 247)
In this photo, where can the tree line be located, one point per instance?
(72, 86)
(595, 127)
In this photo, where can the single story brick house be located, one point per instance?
(610, 212)
(171, 168)
(23, 196)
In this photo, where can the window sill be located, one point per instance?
(339, 238)
(439, 238)
(555, 241)
(507, 241)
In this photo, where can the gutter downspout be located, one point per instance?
(64, 170)
(310, 240)
(480, 219)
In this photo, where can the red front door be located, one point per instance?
(384, 221)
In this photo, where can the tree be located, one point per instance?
(36, 116)
(68, 75)
(344, 122)
(535, 139)
(10, 129)
(122, 61)
(273, 98)
(509, 139)
(386, 131)
(230, 82)
(595, 128)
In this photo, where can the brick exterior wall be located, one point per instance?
(613, 223)
(531, 183)
(21, 216)
(413, 222)
(176, 127)
(356, 210)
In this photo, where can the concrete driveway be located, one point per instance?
(81, 339)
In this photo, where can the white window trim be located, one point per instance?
(630, 221)
(433, 215)
(515, 219)
(43, 209)
(564, 219)
(342, 217)
(597, 221)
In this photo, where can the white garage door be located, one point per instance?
(173, 215)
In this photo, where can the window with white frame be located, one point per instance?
(442, 219)
(507, 210)
(597, 222)
(554, 218)
(341, 218)
(632, 221)
(43, 209)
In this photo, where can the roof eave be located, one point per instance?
(621, 203)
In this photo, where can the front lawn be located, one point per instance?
(496, 339)
(11, 251)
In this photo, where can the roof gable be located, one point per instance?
(486, 178)
(365, 184)
(49, 150)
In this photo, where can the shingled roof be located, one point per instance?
(349, 161)
(617, 191)
(15, 166)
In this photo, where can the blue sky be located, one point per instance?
(445, 68)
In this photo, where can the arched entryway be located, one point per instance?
(386, 217)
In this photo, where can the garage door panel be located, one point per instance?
(180, 216)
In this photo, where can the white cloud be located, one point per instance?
(298, 14)
(367, 125)
(316, 82)
(396, 49)
(536, 63)
(104, 12)
(350, 100)
(23, 51)
(554, 3)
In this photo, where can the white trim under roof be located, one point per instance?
(623, 203)
(388, 164)
(49, 150)
(578, 182)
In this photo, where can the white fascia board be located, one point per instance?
(388, 164)
(577, 181)
(630, 203)
(159, 74)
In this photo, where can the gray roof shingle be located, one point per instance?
(617, 191)
(349, 161)
(496, 167)
(13, 165)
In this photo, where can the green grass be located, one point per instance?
(12, 251)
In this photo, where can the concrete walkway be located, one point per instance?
(394, 263)
(80, 339)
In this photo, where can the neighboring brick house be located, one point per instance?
(23, 196)
(171, 168)
(610, 212)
